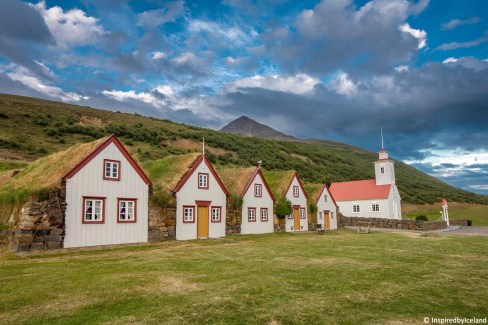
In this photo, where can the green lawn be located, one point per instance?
(476, 212)
(342, 277)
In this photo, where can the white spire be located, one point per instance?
(382, 146)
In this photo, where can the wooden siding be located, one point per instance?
(301, 200)
(326, 206)
(265, 201)
(89, 182)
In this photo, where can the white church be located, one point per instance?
(372, 198)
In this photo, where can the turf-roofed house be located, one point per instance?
(91, 194)
(201, 202)
(326, 209)
(249, 189)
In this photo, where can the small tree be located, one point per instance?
(283, 207)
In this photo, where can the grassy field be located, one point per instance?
(476, 212)
(342, 277)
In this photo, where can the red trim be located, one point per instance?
(251, 180)
(255, 217)
(112, 139)
(118, 210)
(202, 203)
(260, 214)
(304, 213)
(197, 162)
(220, 214)
(99, 198)
(260, 190)
(299, 183)
(105, 169)
(296, 206)
(193, 213)
(208, 180)
(325, 187)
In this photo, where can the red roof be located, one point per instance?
(359, 190)
(197, 163)
(112, 139)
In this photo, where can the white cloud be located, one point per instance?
(459, 22)
(23, 76)
(455, 157)
(342, 85)
(70, 28)
(145, 97)
(229, 33)
(157, 55)
(402, 68)
(460, 45)
(298, 84)
(169, 13)
(467, 62)
(450, 60)
(420, 35)
(479, 187)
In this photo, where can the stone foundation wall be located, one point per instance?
(233, 220)
(391, 223)
(312, 226)
(41, 224)
(458, 222)
(162, 224)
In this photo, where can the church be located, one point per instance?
(372, 198)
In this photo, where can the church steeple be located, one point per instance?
(384, 168)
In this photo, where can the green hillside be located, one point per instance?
(33, 128)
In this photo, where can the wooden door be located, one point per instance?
(296, 217)
(202, 222)
(327, 219)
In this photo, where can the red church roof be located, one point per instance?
(359, 190)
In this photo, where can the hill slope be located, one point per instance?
(249, 127)
(32, 128)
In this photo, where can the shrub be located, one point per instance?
(283, 207)
(422, 218)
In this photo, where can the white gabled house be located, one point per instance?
(295, 193)
(371, 198)
(326, 209)
(106, 198)
(201, 202)
(257, 205)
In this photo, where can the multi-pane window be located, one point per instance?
(320, 215)
(355, 208)
(325, 197)
(251, 214)
(202, 180)
(127, 210)
(295, 191)
(375, 207)
(264, 214)
(382, 170)
(302, 213)
(93, 210)
(188, 214)
(258, 190)
(216, 214)
(111, 169)
(332, 215)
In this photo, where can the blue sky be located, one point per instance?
(332, 69)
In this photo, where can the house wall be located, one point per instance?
(301, 200)
(265, 201)
(89, 182)
(345, 207)
(190, 193)
(388, 177)
(395, 203)
(322, 206)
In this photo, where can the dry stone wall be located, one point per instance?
(162, 224)
(391, 223)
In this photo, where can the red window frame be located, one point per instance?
(220, 214)
(105, 161)
(95, 198)
(260, 186)
(248, 215)
(134, 220)
(261, 214)
(304, 213)
(192, 207)
(208, 180)
(295, 188)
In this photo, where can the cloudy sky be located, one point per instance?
(332, 69)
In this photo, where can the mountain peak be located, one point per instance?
(249, 127)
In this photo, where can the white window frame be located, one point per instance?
(251, 217)
(109, 167)
(258, 190)
(188, 214)
(375, 205)
(382, 170)
(325, 198)
(216, 214)
(356, 208)
(203, 180)
(320, 216)
(130, 217)
(296, 191)
(93, 212)
(303, 213)
(266, 214)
